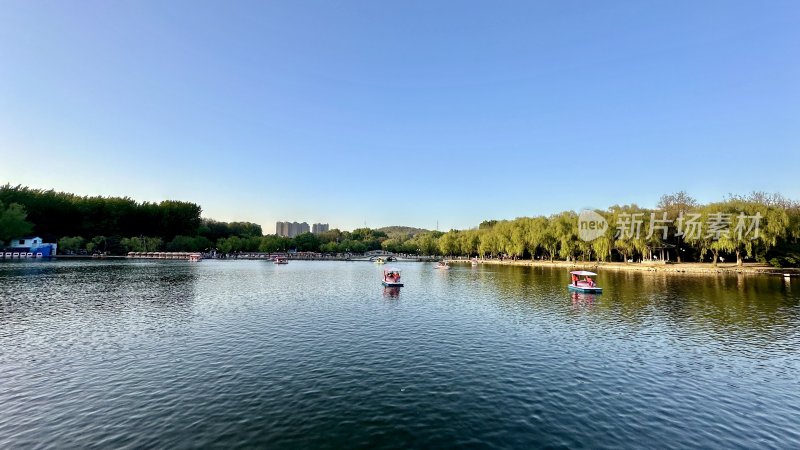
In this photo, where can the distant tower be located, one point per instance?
(283, 229)
(319, 228)
(292, 229)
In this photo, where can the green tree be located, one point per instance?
(58, 214)
(334, 235)
(675, 206)
(245, 229)
(97, 244)
(188, 244)
(392, 245)
(489, 243)
(630, 226)
(306, 242)
(751, 226)
(448, 243)
(517, 238)
(140, 244)
(565, 229)
(179, 218)
(230, 245)
(602, 247)
(701, 237)
(541, 234)
(13, 223)
(428, 243)
(273, 243)
(330, 247)
(468, 242)
(71, 244)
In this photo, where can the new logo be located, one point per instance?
(591, 225)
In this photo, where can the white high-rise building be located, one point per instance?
(291, 229)
(319, 228)
(282, 229)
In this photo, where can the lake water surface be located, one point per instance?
(170, 354)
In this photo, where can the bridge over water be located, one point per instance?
(394, 258)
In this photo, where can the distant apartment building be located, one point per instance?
(319, 228)
(291, 229)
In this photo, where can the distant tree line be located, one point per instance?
(111, 224)
(57, 214)
(760, 227)
(119, 225)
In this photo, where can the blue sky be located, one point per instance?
(400, 113)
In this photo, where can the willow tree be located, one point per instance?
(630, 236)
(656, 235)
(511, 237)
(775, 225)
(548, 239)
(704, 236)
(468, 241)
(565, 230)
(604, 244)
(502, 236)
(533, 229)
(753, 226)
(427, 243)
(675, 206)
(448, 243)
(489, 243)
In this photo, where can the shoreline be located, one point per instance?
(690, 268)
(674, 268)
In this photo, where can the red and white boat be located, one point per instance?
(391, 277)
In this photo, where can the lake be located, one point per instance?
(221, 354)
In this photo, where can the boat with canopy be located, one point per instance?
(391, 277)
(582, 282)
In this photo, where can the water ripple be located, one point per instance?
(100, 354)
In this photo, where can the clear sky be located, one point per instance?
(400, 113)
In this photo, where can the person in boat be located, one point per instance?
(574, 280)
(590, 281)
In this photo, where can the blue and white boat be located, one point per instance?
(585, 284)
